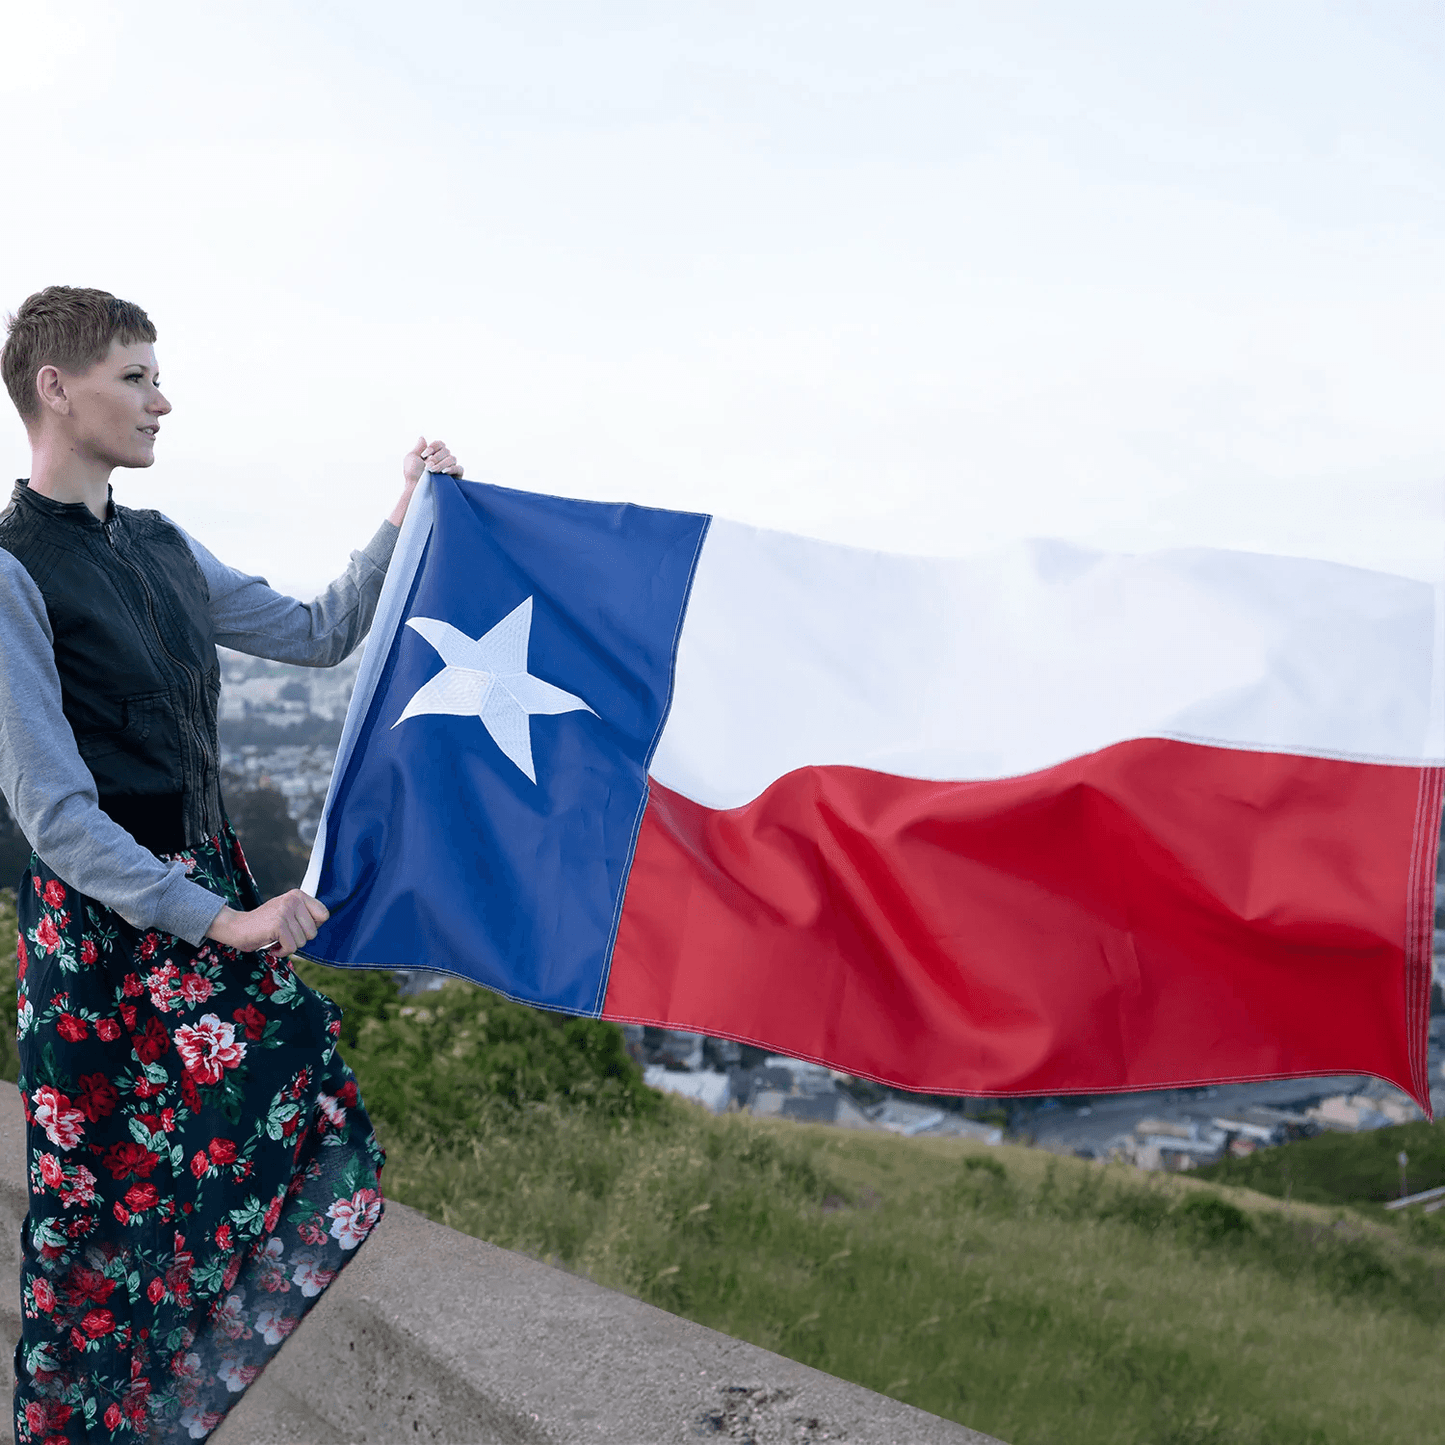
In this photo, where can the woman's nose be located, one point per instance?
(159, 405)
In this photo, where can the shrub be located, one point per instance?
(427, 1064)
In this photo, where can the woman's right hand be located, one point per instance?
(280, 925)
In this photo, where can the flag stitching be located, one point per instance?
(1419, 928)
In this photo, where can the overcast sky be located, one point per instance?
(921, 276)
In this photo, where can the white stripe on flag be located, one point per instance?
(796, 652)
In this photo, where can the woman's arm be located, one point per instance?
(252, 617)
(52, 794)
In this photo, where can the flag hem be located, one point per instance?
(416, 530)
(1420, 931)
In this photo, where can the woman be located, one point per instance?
(200, 1164)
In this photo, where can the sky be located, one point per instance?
(922, 276)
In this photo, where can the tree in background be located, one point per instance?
(275, 853)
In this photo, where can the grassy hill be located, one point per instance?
(1039, 1299)
(1360, 1170)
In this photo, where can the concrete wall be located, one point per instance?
(430, 1335)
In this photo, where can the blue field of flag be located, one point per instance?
(490, 788)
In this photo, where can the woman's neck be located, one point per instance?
(62, 473)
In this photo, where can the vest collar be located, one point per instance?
(76, 513)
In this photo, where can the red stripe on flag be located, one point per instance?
(1155, 914)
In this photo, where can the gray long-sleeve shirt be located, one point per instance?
(47, 785)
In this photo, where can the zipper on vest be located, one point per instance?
(195, 682)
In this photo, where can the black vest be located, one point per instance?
(139, 680)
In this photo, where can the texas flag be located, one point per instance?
(1039, 822)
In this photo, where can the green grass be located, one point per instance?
(1039, 1299)
(1355, 1169)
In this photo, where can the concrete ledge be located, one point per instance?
(430, 1335)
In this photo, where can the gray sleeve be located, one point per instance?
(52, 794)
(253, 618)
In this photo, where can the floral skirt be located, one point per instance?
(200, 1165)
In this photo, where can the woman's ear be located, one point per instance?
(50, 388)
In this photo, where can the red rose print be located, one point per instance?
(46, 936)
(162, 985)
(131, 986)
(142, 1196)
(194, 988)
(88, 1286)
(39, 886)
(149, 944)
(97, 1323)
(121, 1213)
(143, 1088)
(223, 1236)
(50, 1170)
(273, 1213)
(78, 1188)
(107, 1030)
(71, 1028)
(252, 1020)
(88, 951)
(153, 1042)
(190, 1096)
(54, 893)
(268, 983)
(128, 1160)
(223, 1151)
(208, 1048)
(112, 1417)
(168, 1121)
(46, 1414)
(156, 1290)
(44, 1295)
(127, 1015)
(63, 1124)
(96, 1097)
(199, 1163)
(20, 960)
(346, 1094)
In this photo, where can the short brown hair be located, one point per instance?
(70, 327)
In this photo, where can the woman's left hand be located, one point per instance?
(425, 456)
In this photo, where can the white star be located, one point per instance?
(489, 677)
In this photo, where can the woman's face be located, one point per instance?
(116, 406)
